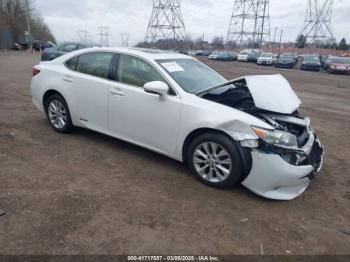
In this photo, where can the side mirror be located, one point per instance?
(156, 87)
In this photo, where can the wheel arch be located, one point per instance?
(245, 153)
(49, 93)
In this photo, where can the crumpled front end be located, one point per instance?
(281, 173)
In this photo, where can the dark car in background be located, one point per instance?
(61, 49)
(253, 57)
(223, 56)
(202, 53)
(311, 62)
(339, 65)
(39, 45)
(285, 60)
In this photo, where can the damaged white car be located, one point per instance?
(248, 130)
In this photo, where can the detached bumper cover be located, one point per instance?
(273, 177)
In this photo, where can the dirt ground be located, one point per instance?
(86, 193)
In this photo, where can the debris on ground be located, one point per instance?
(2, 213)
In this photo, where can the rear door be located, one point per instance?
(90, 87)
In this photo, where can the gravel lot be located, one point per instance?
(86, 193)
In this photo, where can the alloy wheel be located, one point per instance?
(57, 114)
(212, 162)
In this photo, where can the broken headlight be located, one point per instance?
(276, 137)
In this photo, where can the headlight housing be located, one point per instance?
(277, 138)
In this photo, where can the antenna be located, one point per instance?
(166, 22)
(250, 23)
(125, 39)
(318, 22)
(103, 33)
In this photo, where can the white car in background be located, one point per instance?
(248, 130)
(266, 59)
(243, 56)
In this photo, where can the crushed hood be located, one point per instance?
(267, 92)
(273, 93)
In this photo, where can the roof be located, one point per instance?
(150, 54)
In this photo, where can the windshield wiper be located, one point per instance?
(210, 89)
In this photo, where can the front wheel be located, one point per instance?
(215, 160)
(58, 114)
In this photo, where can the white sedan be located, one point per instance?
(248, 130)
(266, 59)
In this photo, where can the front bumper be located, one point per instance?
(273, 177)
(284, 65)
(264, 62)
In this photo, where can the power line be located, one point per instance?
(166, 22)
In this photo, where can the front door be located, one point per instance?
(140, 117)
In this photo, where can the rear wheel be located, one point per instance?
(58, 114)
(215, 160)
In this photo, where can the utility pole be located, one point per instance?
(166, 22)
(280, 41)
(29, 30)
(274, 38)
(318, 22)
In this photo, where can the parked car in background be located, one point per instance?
(223, 56)
(243, 56)
(253, 57)
(16, 46)
(328, 62)
(203, 53)
(295, 57)
(265, 59)
(42, 45)
(246, 131)
(61, 49)
(311, 62)
(339, 65)
(285, 60)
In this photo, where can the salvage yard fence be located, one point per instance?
(5, 39)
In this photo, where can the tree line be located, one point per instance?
(301, 42)
(13, 17)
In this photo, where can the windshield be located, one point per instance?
(192, 75)
(266, 55)
(286, 56)
(311, 59)
(340, 61)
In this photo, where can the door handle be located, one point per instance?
(117, 92)
(67, 78)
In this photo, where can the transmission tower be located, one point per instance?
(250, 23)
(166, 22)
(318, 22)
(103, 33)
(125, 39)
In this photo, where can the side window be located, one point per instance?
(96, 64)
(70, 47)
(136, 72)
(82, 46)
(72, 63)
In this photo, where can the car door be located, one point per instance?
(90, 87)
(143, 118)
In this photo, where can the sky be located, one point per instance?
(211, 17)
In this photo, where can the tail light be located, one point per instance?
(35, 71)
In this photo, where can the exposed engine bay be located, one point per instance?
(239, 95)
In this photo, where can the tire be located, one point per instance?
(219, 175)
(59, 119)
